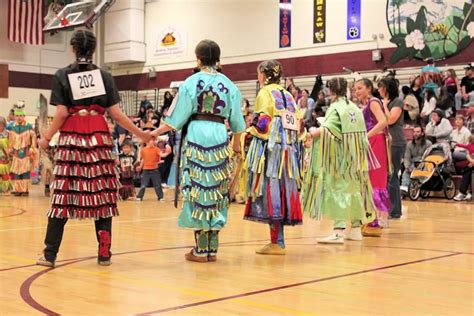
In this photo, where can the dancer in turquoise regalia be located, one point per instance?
(205, 101)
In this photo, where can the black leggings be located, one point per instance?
(55, 230)
(466, 179)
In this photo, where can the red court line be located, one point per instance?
(22, 211)
(139, 251)
(26, 285)
(225, 298)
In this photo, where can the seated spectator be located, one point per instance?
(415, 89)
(466, 94)
(446, 102)
(470, 118)
(451, 81)
(289, 84)
(429, 105)
(413, 155)
(152, 120)
(463, 195)
(167, 100)
(310, 118)
(438, 129)
(246, 108)
(460, 133)
(410, 105)
(296, 93)
(305, 103)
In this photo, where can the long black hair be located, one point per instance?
(84, 44)
(429, 93)
(391, 86)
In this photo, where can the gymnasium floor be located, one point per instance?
(423, 265)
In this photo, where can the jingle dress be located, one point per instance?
(205, 167)
(85, 178)
(22, 142)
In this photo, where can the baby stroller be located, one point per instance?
(433, 173)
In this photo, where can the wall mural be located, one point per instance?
(429, 28)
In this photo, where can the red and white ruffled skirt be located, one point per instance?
(85, 178)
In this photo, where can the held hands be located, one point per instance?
(43, 143)
(155, 133)
(145, 136)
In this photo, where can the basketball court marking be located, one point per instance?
(27, 297)
(21, 211)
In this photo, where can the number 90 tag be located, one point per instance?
(289, 120)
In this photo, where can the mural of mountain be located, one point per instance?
(430, 28)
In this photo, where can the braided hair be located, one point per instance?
(84, 43)
(208, 52)
(272, 70)
(338, 88)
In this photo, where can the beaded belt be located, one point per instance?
(84, 112)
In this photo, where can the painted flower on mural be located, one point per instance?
(470, 29)
(415, 39)
(430, 28)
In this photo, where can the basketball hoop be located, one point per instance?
(77, 14)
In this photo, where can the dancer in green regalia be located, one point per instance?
(337, 184)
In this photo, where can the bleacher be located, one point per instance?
(248, 88)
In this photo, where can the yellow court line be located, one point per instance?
(88, 224)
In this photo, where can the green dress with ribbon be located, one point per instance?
(337, 184)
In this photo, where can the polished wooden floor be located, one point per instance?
(423, 265)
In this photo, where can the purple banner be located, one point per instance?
(285, 23)
(353, 19)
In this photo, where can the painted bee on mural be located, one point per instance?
(440, 28)
(319, 36)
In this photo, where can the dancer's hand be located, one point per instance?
(43, 143)
(145, 136)
(314, 131)
(155, 133)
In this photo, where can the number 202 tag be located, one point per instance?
(289, 120)
(86, 84)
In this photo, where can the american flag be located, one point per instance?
(25, 21)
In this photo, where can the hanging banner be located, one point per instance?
(353, 19)
(319, 21)
(285, 23)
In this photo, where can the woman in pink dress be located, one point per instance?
(376, 122)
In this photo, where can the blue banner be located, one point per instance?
(285, 23)
(353, 20)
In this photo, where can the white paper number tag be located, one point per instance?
(86, 84)
(289, 120)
